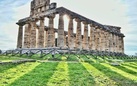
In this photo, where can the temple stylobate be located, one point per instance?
(33, 35)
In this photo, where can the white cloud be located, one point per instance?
(8, 27)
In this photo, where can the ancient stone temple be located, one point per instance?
(33, 35)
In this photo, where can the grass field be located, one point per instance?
(74, 71)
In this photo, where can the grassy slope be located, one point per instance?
(79, 76)
(39, 76)
(12, 74)
(70, 74)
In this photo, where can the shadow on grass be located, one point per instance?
(132, 66)
(126, 70)
(120, 79)
(36, 56)
(6, 67)
(79, 76)
(38, 76)
(133, 63)
(9, 58)
(72, 58)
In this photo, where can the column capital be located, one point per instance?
(85, 23)
(96, 27)
(61, 14)
(41, 18)
(51, 16)
(77, 20)
(33, 19)
(70, 17)
(91, 25)
(20, 24)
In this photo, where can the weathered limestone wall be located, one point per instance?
(38, 7)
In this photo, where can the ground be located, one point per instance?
(67, 72)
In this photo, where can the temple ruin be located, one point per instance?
(31, 35)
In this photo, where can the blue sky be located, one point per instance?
(121, 13)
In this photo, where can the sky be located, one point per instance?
(121, 13)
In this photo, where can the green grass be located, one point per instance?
(60, 76)
(100, 78)
(115, 75)
(12, 74)
(36, 56)
(6, 67)
(84, 58)
(130, 65)
(124, 73)
(127, 70)
(72, 58)
(8, 58)
(38, 76)
(79, 76)
(72, 71)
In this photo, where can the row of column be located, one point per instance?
(99, 39)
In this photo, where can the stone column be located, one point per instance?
(54, 41)
(51, 34)
(78, 35)
(74, 38)
(65, 41)
(20, 36)
(122, 39)
(85, 39)
(107, 41)
(121, 44)
(97, 39)
(46, 38)
(100, 39)
(91, 40)
(111, 42)
(103, 41)
(117, 44)
(27, 36)
(41, 34)
(94, 39)
(60, 40)
(33, 35)
(70, 34)
(114, 43)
